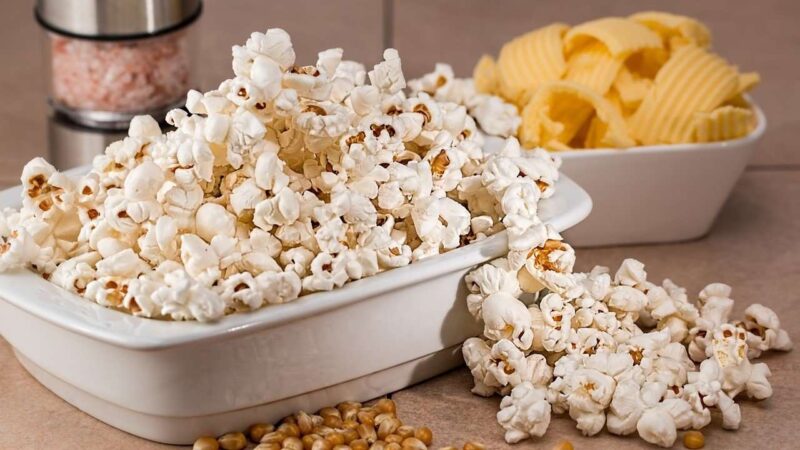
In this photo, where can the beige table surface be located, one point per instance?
(754, 246)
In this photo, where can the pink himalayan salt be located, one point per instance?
(120, 76)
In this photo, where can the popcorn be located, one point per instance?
(159, 241)
(616, 348)
(124, 264)
(241, 290)
(388, 75)
(200, 260)
(46, 193)
(246, 196)
(107, 291)
(510, 367)
(548, 265)
(476, 355)
(658, 424)
(631, 273)
(183, 298)
(180, 202)
(764, 331)
(524, 413)
(489, 279)
(669, 308)
(17, 250)
(557, 315)
(505, 317)
(495, 116)
(704, 390)
(76, 273)
(729, 349)
(144, 127)
(715, 309)
(143, 182)
(327, 272)
(588, 393)
(280, 287)
(214, 220)
(274, 44)
(297, 260)
(283, 209)
(626, 299)
(629, 403)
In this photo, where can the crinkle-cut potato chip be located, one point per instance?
(723, 123)
(529, 61)
(562, 114)
(647, 62)
(747, 81)
(631, 88)
(693, 80)
(737, 100)
(621, 37)
(613, 98)
(593, 66)
(675, 30)
(484, 75)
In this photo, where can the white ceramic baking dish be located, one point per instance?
(174, 381)
(655, 194)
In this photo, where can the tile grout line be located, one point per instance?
(773, 168)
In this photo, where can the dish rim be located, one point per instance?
(79, 315)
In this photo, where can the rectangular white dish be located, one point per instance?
(174, 381)
(655, 194)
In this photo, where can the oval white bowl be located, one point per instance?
(657, 193)
(173, 381)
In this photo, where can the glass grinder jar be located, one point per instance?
(110, 60)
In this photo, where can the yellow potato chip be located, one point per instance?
(593, 66)
(596, 135)
(613, 98)
(485, 75)
(693, 80)
(621, 37)
(675, 30)
(631, 88)
(747, 81)
(564, 114)
(529, 61)
(723, 123)
(647, 62)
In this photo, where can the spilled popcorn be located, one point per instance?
(286, 180)
(614, 351)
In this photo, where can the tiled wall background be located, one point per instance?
(760, 36)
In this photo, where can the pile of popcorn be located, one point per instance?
(286, 180)
(616, 351)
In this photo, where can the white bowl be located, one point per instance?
(655, 194)
(174, 381)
